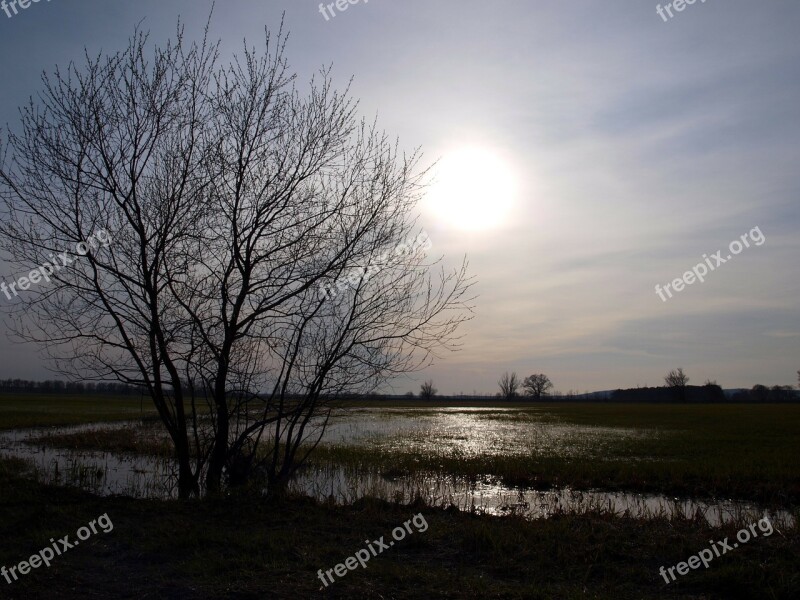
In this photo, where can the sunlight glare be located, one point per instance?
(473, 190)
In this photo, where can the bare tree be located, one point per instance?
(676, 379)
(230, 200)
(537, 385)
(427, 391)
(509, 385)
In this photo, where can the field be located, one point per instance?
(246, 547)
(41, 410)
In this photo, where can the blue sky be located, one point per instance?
(635, 146)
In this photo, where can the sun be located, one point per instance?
(473, 190)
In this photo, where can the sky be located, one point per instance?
(588, 152)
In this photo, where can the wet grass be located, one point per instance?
(743, 452)
(708, 451)
(244, 547)
(144, 439)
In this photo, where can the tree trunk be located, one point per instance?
(220, 451)
(187, 479)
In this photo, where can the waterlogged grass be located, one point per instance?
(712, 451)
(745, 452)
(145, 438)
(40, 410)
(245, 547)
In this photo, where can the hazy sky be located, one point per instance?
(627, 148)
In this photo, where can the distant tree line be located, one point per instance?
(706, 393)
(644, 395)
(709, 392)
(537, 387)
(687, 393)
(761, 393)
(56, 386)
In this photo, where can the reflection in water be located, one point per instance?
(345, 486)
(468, 432)
(474, 432)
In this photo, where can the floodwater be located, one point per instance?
(472, 432)
(103, 473)
(466, 432)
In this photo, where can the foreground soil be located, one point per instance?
(244, 547)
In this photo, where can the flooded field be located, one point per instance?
(368, 452)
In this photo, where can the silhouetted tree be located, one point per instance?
(509, 384)
(537, 385)
(677, 380)
(230, 201)
(427, 391)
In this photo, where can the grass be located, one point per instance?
(43, 410)
(244, 547)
